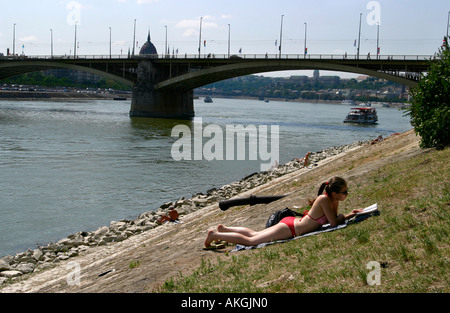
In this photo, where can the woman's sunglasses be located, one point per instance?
(344, 192)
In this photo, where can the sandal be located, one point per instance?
(215, 246)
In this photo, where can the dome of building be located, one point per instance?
(148, 47)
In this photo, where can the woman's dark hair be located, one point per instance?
(335, 184)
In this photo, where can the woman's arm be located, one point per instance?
(339, 219)
(332, 218)
(352, 214)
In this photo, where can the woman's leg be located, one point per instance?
(277, 232)
(240, 230)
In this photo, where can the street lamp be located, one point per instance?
(229, 39)
(51, 43)
(200, 38)
(134, 36)
(281, 33)
(448, 23)
(110, 42)
(306, 51)
(14, 39)
(165, 50)
(75, 44)
(359, 36)
(378, 41)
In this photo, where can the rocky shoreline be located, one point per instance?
(44, 257)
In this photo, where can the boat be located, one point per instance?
(208, 99)
(362, 116)
(349, 102)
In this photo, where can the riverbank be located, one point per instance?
(163, 252)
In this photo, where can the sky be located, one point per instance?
(406, 27)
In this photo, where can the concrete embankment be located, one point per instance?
(163, 251)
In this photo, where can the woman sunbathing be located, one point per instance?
(324, 210)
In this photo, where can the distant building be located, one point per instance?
(329, 80)
(148, 48)
(361, 78)
(302, 80)
(316, 74)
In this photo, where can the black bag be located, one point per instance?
(277, 216)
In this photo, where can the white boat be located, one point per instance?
(208, 99)
(362, 116)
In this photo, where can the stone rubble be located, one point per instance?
(44, 257)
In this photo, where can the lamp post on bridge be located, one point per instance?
(229, 39)
(75, 44)
(378, 41)
(281, 34)
(306, 51)
(51, 43)
(165, 49)
(448, 23)
(134, 37)
(200, 38)
(359, 36)
(110, 43)
(14, 39)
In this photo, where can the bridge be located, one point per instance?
(163, 84)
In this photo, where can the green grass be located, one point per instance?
(134, 264)
(409, 239)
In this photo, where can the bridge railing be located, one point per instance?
(226, 56)
(300, 56)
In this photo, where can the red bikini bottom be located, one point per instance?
(289, 221)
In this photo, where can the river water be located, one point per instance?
(69, 166)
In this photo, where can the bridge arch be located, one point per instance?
(22, 67)
(207, 76)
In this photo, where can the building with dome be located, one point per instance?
(148, 48)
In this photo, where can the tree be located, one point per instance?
(430, 107)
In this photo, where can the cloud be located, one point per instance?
(28, 39)
(145, 1)
(139, 1)
(192, 26)
(190, 32)
(188, 23)
(120, 43)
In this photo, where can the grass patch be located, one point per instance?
(409, 240)
(134, 264)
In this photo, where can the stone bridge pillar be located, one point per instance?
(148, 102)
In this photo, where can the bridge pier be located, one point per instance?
(150, 102)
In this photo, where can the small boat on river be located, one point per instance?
(362, 116)
(208, 99)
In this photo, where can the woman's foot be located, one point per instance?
(209, 238)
